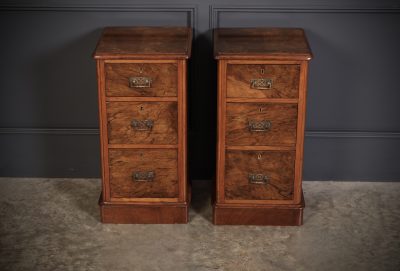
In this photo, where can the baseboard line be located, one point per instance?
(95, 131)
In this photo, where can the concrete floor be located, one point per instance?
(53, 224)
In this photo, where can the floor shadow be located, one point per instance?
(201, 198)
(83, 193)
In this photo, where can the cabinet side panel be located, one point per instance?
(103, 131)
(221, 105)
(300, 131)
(182, 130)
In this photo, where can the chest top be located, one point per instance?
(144, 42)
(261, 43)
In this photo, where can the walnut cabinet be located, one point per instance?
(141, 74)
(262, 82)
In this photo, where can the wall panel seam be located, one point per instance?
(309, 133)
(215, 10)
(192, 10)
(95, 7)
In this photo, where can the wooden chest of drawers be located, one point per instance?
(142, 75)
(262, 77)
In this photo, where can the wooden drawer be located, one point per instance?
(129, 79)
(142, 122)
(256, 124)
(262, 81)
(143, 173)
(263, 175)
(142, 91)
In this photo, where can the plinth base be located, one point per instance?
(273, 215)
(129, 213)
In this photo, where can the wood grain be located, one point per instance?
(144, 42)
(283, 118)
(261, 100)
(141, 99)
(263, 215)
(184, 196)
(261, 43)
(161, 54)
(300, 131)
(274, 147)
(164, 79)
(144, 213)
(163, 114)
(123, 162)
(257, 148)
(220, 159)
(277, 165)
(103, 132)
(285, 80)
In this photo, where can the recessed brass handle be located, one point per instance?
(142, 125)
(259, 126)
(256, 178)
(140, 82)
(143, 176)
(261, 83)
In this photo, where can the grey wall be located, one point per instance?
(48, 99)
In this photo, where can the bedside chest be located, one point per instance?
(142, 75)
(262, 79)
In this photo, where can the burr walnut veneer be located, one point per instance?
(262, 78)
(141, 75)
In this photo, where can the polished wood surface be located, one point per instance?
(221, 118)
(105, 195)
(271, 214)
(301, 123)
(163, 115)
(141, 99)
(143, 129)
(144, 42)
(142, 213)
(125, 162)
(184, 190)
(261, 43)
(282, 117)
(285, 81)
(260, 126)
(277, 166)
(164, 78)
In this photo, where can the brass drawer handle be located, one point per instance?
(142, 125)
(140, 82)
(256, 178)
(143, 176)
(259, 126)
(261, 83)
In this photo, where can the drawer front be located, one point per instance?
(142, 122)
(141, 79)
(264, 175)
(253, 124)
(263, 81)
(143, 173)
